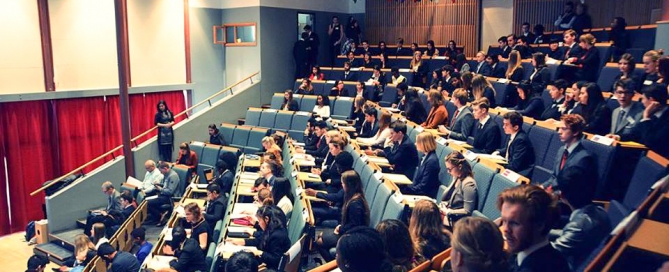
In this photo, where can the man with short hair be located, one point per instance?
(399, 150)
(224, 178)
(270, 170)
(37, 263)
(518, 150)
(113, 207)
(120, 261)
(190, 256)
(348, 74)
(525, 32)
(628, 115)
(242, 261)
(504, 46)
(165, 190)
(527, 215)
(400, 101)
(215, 137)
(486, 132)
(556, 90)
(151, 177)
(370, 126)
(447, 74)
(482, 67)
(365, 47)
(566, 19)
(463, 120)
(321, 147)
(139, 239)
(653, 129)
(216, 205)
(511, 45)
(312, 46)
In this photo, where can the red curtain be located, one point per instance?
(27, 146)
(4, 210)
(113, 127)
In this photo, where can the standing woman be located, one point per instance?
(481, 87)
(460, 199)
(355, 212)
(426, 180)
(438, 114)
(200, 228)
(429, 235)
(419, 69)
(322, 107)
(514, 73)
(164, 120)
(336, 33)
(595, 112)
(289, 104)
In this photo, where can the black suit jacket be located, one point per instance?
(654, 133)
(404, 157)
(321, 150)
(277, 244)
(189, 258)
(579, 158)
(215, 210)
(351, 76)
(589, 65)
(355, 216)
(484, 70)
(488, 138)
(541, 77)
(545, 259)
(553, 111)
(368, 130)
(292, 106)
(521, 154)
(426, 179)
(498, 71)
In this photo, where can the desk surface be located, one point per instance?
(308, 177)
(651, 236)
(200, 202)
(251, 163)
(398, 179)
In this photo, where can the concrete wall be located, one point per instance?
(242, 61)
(207, 58)
(662, 35)
(496, 21)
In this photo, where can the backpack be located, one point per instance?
(30, 230)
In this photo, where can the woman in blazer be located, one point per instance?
(541, 76)
(438, 114)
(588, 62)
(426, 179)
(595, 112)
(413, 109)
(529, 103)
(514, 73)
(461, 198)
(274, 241)
(481, 87)
(288, 103)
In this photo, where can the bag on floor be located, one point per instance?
(30, 230)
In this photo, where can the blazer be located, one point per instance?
(190, 257)
(654, 132)
(600, 121)
(483, 68)
(215, 210)
(545, 259)
(463, 198)
(520, 154)
(437, 116)
(217, 139)
(276, 245)
(490, 95)
(293, 106)
(631, 119)
(225, 181)
(532, 107)
(462, 126)
(415, 111)
(486, 139)
(506, 51)
(351, 76)
(355, 216)
(426, 180)
(553, 111)
(586, 228)
(343, 92)
(579, 158)
(368, 130)
(497, 71)
(540, 77)
(557, 54)
(403, 156)
(589, 65)
(321, 150)
(335, 170)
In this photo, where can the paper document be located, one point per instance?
(133, 181)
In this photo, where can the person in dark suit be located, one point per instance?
(496, 70)
(528, 213)
(355, 63)
(378, 82)
(541, 76)
(274, 241)
(399, 150)
(481, 87)
(125, 261)
(506, 46)
(482, 67)
(588, 63)
(321, 147)
(426, 180)
(653, 130)
(556, 90)
(370, 126)
(419, 68)
(216, 205)
(462, 121)
(413, 107)
(342, 161)
(628, 115)
(529, 100)
(555, 52)
(190, 256)
(400, 50)
(596, 113)
(571, 50)
(518, 150)
(526, 32)
(486, 133)
(572, 153)
(588, 223)
(461, 198)
(288, 103)
(338, 89)
(355, 212)
(447, 75)
(348, 74)
(312, 46)
(215, 137)
(106, 215)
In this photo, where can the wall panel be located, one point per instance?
(602, 12)
(423, 21)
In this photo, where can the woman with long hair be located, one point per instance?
(461, 199)
(164, 120)
(514, 73)
(530, 103)
(467, 79)
(413, 108)
(478, 245)
(338, 89)
(437, 80)
(428, 233)
(274, 241)
(283, 196)
(316, 73)
(358, 113)
(399, 247)
(541, 75)
(322, 107)
(451, 51)
(187, 157)
(382, 134)
(362, 250)
(289, 104)
(627, 65)
(431, 49)
(355, 212)
(438, 114)
(305, 88)
(84, 251)
(595, 112)
(481, 87)
(419, 69)
(200, 228)
(98, 231)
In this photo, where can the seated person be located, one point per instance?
(283, 196)
(187, 157)
(486, 133)
(269, 143)
(117, 218)
(305, 88)
(555, 53)
(382, 133)
(139, 239)
(627, 66)
(651, 71)
(270, 171)
(461, 198)
(165, 191)
(426, 180)
(427, 230)
(588, 223)
(342, 161)
(518, 151)
(190, 256)
(355, 63)
(274, 241)
(596, 113)
(478, 245)
(200, 229)
(338, 89)
(215, 136)
(225, 177)
(399, 100)
(98, 232)
(652, 130)
(37, 263)
(556, 90)
(462, 121)
(361, 249)
(370, 126)
(399, 150)
(438, 114)
(216, 205)
(413, 107)
(105, 216)
(310, 138)
(322, 107)
(396, 77)
(320, 148)
(358, 111)
(316, 73)
(496, 69)
(399, 246)
(119, 260)
(541, 76)
(242, 261)
(481, 87)
(84, 252)
(348, 74)
(588, 62)
(289, 104)
(529, 100)
(378, 82)
(151, 177)
(482, 67)
(628, 115)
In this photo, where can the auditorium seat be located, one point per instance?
(207, 160)
(228, 131)
(297, 220)
(372, 187)
(483, 177)
(283, 120)
(440, 192)
(500, 91)
(389, 96)
(451, 108)
(499, 183)
(423, 99)
(196, 147)
(267, 118)
(342, 108)
(607, 75)
(307, 103)
(253, 116)
(298, 125)
(394, 210)
(240, 137)
(541, 139)
(254, 144)
(604, 155)
(528, 69)
(277, 101)
(184, 178)
(378, 205)
(546, 98)
(297, 84)
(327, 87)
(365, 176)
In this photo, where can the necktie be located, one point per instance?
(566, 56)
(621, 117)
(565, 154)
(480, 126)
(318, 144)
(455, 116)
(395, 145)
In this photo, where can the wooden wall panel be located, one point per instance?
(422, 21)
(635, 12)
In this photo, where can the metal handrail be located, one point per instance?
(80, 168)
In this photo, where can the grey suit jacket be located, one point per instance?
(632, 119)
(462, 127)
(586, 228)
(114, 202)
(464, 199)
(170, 183)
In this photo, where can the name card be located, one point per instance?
(305, 215)
(197, 143)
(302, 113)
(294, 173)
(419, 129)
(330, 81)
(354, 69)
(378, 175)
(502, 80)
(439, 58)
(292, 160)
(271, 110)
(512, 176)
(648, 82)
(470, 155)
(398, 197)
(364, 158)
(298, 190)
(602, 140)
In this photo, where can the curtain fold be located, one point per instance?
(5, 227)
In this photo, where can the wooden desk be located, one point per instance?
(651, 236)
(158, 262)
(251, 163)
(244, 189)
(308, 177)
(435, 132)
(398, 179)
(186, 201)
(380, 161)
(313, 198)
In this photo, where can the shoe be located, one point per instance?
(161, 223)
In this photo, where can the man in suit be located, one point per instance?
(496, 70)
(312, 46)
(518, 150)
(348, 74)
(588, 223)
(628, 115)
(321, 147)
(114, 206)
(355, 63)
(399, 150)
(370, 126)
(270, 170)
(190, 256)
(556, 90)
(463, 120)
(527, 33)
(572, 153)
(120, 260)
(482, 67)
(165, 191)
(486, 132)
(572, 50)
(447, 74)
(506, 48)
(510, 45)
(527, 215)
(401, 51)
(653, 129)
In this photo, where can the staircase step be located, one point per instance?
(54, 252)
(65, 238)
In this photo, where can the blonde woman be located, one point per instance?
(382, 134)
(269, 143)
(588, 62)
(429, 235)
(481, 87)
(84, 251)
(514, 72)
(650, 60)
(419, 69)
(426, 179)
(477, 245)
